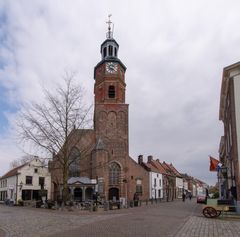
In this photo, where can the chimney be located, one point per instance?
(140, 159)
(150, 158)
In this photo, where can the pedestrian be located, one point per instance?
(190, 196)
(183, 197)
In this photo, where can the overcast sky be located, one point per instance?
(174, 51)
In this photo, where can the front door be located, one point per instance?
(113, 194)
(78, 194)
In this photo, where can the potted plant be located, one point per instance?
(20, 202)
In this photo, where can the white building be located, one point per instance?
(155, 178)
(179, 187)
(25, 182)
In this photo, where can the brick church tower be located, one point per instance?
(101, 155)
(109, 161)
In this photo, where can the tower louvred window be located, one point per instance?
(110, 50)
(104, 52)
(111, 92)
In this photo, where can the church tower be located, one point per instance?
(110, 119)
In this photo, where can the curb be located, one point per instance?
(4, 232)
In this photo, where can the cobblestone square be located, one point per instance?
(173, 219)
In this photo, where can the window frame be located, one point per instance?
(27, 180)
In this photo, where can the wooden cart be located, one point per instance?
(214, 211)
(215, 207)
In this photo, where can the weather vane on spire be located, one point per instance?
(109, 33)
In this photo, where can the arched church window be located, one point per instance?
(110, 50)
(114, 173)
(111, 92)
(104, 52)
(74, 163)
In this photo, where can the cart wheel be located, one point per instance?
(210, 212)
(218, 213)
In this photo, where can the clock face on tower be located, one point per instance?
(111, 67)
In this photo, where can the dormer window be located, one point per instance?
(111, 92)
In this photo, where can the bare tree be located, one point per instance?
(25, 159)
(50, 125)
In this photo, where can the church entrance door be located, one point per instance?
(113, 194)
(89, 193)
(78, 194)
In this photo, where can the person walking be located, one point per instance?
(190, 196)
(183, 197)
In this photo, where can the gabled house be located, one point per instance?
(155, 178)
(27, 182)
(179, 182)
(168, 185)
(171, 176)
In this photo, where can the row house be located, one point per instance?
(179, 181)
(166, 184)
(27, 182)
(171, 178)
(192, 185)
(201, 187)
(155, 178)
(171, 186)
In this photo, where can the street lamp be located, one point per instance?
(20, 185)
(224, 171)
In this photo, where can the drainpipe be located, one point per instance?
(16, 188)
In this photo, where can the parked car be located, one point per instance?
(202, 199)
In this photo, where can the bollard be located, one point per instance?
(91, 207)
(106, 206)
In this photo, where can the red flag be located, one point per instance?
(213, 163)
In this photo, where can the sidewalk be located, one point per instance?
(2, 233)
(203, 227)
